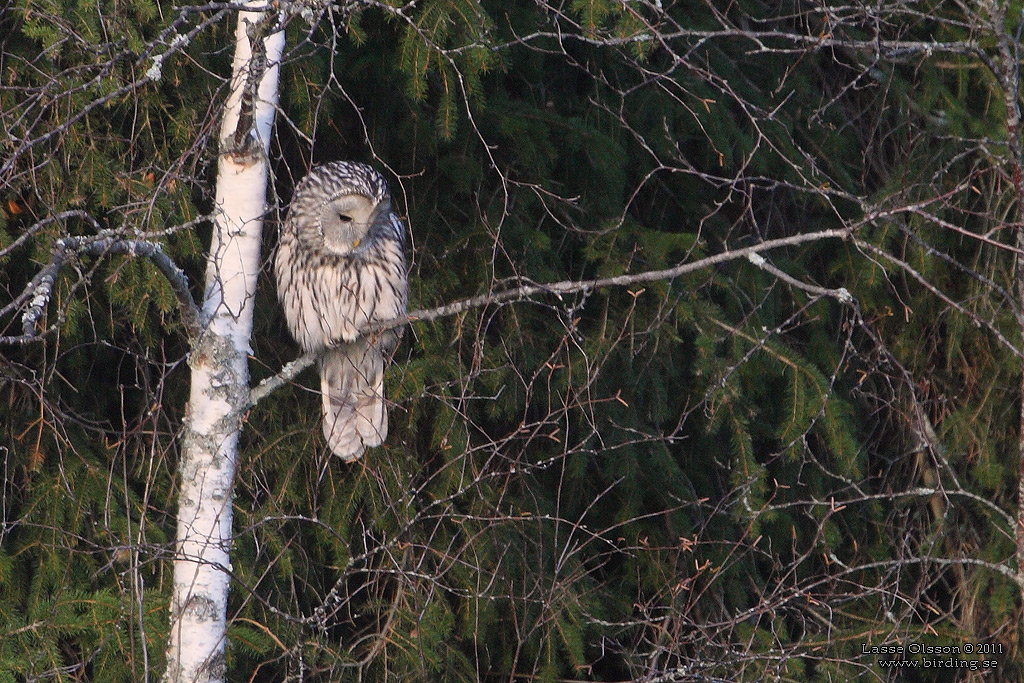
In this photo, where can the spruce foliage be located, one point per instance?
(720, 474)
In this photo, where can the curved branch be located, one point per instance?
(40, 288)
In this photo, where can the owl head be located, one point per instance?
(341, 208)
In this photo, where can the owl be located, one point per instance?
(340, 265)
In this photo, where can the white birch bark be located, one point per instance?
(220, 374)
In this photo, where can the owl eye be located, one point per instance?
(345, 218)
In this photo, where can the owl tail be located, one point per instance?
(352, 387)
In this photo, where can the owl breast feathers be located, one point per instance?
(340, 266)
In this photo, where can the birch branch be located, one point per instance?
(40, 288)
(526, 292)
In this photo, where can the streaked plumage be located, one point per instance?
(340, 265)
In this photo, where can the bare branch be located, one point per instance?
(526, 292)
(65, 249)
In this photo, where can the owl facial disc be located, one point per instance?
(345, 221)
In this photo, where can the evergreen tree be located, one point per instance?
(733, 391)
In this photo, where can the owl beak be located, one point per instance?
(355, 244)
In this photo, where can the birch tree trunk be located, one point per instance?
(220, 375)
